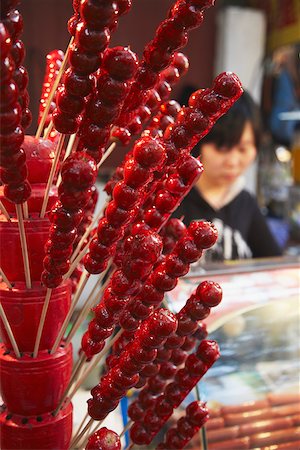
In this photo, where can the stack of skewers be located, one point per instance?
(52, 243)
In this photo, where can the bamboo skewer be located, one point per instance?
(109, 150)
(9, 332)
(76, 261)
(81, 285)
(53, 90)
(77, 437)
(82, 424)
(125, 429)
(202, 431)
(76, 371)
(48, 130)
(5, 279)
(85, 309)
(25, 210)
(5, 212)
(42, 322)
(52, 173)
(96, 427)
(72, 145)
(23, 246)
(85, 235)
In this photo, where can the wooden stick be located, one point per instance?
(98, 425)
(72, 145)
(23, 246)
(85, 309)
(48, 130)
(77, 437)
(129, 423)
(53, 90)
(86, 233)
(5, 279)
(106, 154)
(202, 431)
(93, 364)
(76, 261)
(80, 362)
(5, 212)
(82, 423)
(52, 173)
(25, 210)
(9, 332)
(81, 285)
(42, 322)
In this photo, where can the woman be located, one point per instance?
(226, 152)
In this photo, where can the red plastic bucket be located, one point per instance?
(11, 261)
(32, 386)
(23, 309)
(43, 432)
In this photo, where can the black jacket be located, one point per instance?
(243, 231)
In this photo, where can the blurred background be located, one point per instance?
(257, 39)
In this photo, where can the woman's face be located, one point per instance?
(224, 167)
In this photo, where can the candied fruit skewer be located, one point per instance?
(166, 200)
(170, 36)
(195, 121)
(199, 236)
(189, 249)
(143, 250)
(78, 176)
(92, 36)
(115, 384)
(156, 96)
(196, 365)
(118, 67)
(196, 415)
(208, 294)
(13, 22)
(13, 158)
(148, 155)
(170, 108)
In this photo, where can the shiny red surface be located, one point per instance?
(37, 432)
(23, 309)
(34, 385)
(11, 260)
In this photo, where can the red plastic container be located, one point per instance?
(43, 432)
(31, 386)
(11, 261)
(35, 200)
(23, 309)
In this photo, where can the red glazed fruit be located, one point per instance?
(104, 439)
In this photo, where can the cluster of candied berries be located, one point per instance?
(91, 27)
(125, 374)
(148, 155)
(118, 67)
(14, 100)
(143, 250)
(196, 365)
(78, 176)
(170, 36)
(175, 350)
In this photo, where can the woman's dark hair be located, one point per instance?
(228, 130)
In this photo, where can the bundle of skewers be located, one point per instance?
(52, 242)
